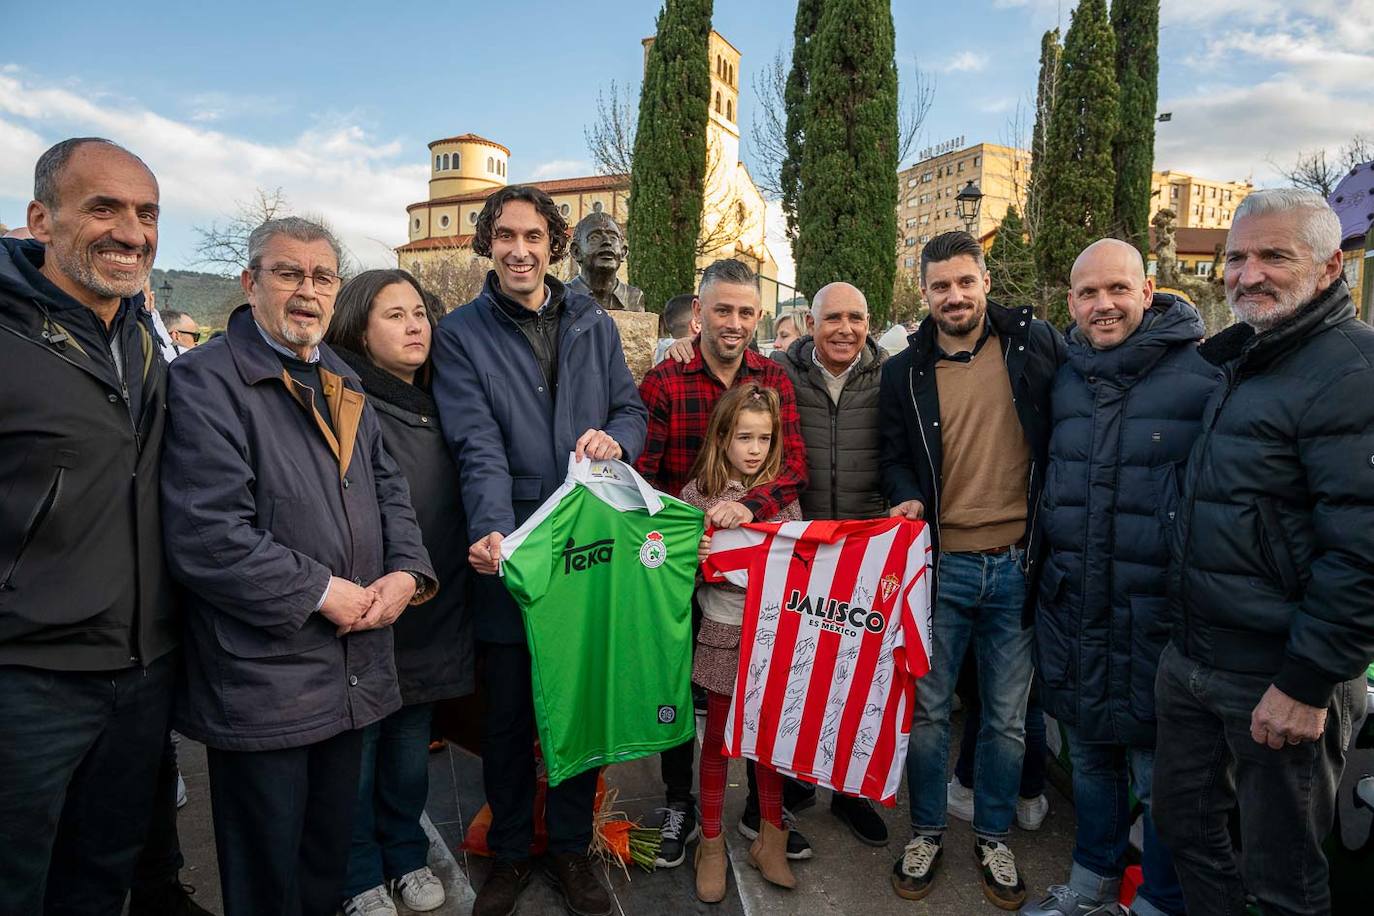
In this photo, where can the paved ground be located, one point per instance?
(845, 877)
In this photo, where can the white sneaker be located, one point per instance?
(181, 791)
(421, 890)
(1030, 812)
(959, 801)
(373, 902)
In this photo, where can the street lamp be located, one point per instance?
(164, 293)
(966, 204)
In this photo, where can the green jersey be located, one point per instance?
(603, 573)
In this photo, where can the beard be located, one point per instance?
(1284, 304)
(80, 266)
(292, 334)
(960, 328)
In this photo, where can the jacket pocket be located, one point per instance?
(525, 489)
(1166, 478)
(42, 510)
(1275, 550)
(1056, 645)
(1149, 629)
(244, 641)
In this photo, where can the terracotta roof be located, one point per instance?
(1194, 241)
(470, 138)
(438, 241)
(556, 186)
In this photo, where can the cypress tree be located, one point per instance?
(794, 101)
(1046, 86)
(668, 179)
(847, 205)
(1077, 179)
(1011, 263)
(1136, 24)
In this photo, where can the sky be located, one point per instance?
(334, 104)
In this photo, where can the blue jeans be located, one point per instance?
(1037, 750)
(1101, 776)
(388, 841)
(980, 599)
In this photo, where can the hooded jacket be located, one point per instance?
(1273, 549)
(842, 440)
(83, 581)
(1124, 422)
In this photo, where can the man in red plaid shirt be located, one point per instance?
(679, 397)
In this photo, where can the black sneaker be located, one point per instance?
(574, 875)
(859, 816)
(914, 873)
(170, 899)
(797, 846)
(1002, 884)
(502, 888)
(797, 795)
(679, 828)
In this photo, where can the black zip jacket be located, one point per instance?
(909, 410)
(83, 582)
(1273, 551)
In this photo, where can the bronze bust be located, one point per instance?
(598, 247)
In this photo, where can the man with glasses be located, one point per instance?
(181, 328)
(298, 547)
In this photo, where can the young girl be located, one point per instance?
(743, 449)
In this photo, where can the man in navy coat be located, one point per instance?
(524, 374)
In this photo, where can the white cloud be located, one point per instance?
(560, 168)
(359, 183)
(965, 62)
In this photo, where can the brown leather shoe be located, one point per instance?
(769, 855)
(502, 888)
(711, 866)
(575, 877)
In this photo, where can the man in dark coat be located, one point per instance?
(86, 613)
(292, 531)
(1127, 407)
(1273, 573)
(965, 425)
(525, 374)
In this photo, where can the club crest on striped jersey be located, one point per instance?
(887, 585)
(653, 552)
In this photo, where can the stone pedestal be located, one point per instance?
(638, 337)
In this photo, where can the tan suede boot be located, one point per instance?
(711, 866)
(769, 855)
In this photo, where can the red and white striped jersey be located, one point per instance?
(836, 631)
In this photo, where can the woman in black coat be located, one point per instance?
(382, 327)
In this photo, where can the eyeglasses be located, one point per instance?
(289, 279)
(194, 335)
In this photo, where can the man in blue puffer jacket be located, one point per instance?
(1127, 408)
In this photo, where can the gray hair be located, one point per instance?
(1319, 229)
(795, 315)
(48, 169)
(727, 270)
(293, 227)
(171, 316)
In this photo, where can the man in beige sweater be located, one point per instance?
(965, 425)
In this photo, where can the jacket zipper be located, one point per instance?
(36, 518)
(834, 453)
(1190, 487)
(934, 471)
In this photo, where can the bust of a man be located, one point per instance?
(598, 247)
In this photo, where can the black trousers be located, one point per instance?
(161, 858)
(79, 755)
(1207, 766)
(283, 823)
(508, 765)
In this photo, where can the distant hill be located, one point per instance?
(208, 298)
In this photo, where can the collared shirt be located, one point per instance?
(680, 398)
(964, 356)
(834, 384)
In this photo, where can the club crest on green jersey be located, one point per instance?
(653, 552)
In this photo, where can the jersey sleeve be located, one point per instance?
(527, 554)
(733, 550)
(915, 604)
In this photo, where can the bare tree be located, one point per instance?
(913, 104)
(1318, 171)
(611, 137)
(455, 279)
(223, 246)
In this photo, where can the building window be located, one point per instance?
(911, 182)
(417, 224)
(454, 163)
(911, 243)
(924, 239)
(1152, 268)
(717, 102)
(925, 220)
(491, 164)
(977, 161)
(925, 179)
(564, 209)
(501, 168)
(961, 166)
(910, 262)
(472, 217)
(729, 110)
(443, 222)
(911, 223)
(437, 161)
(1203, 268)
(1173, 191)
(596, 206)
(911, 201)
